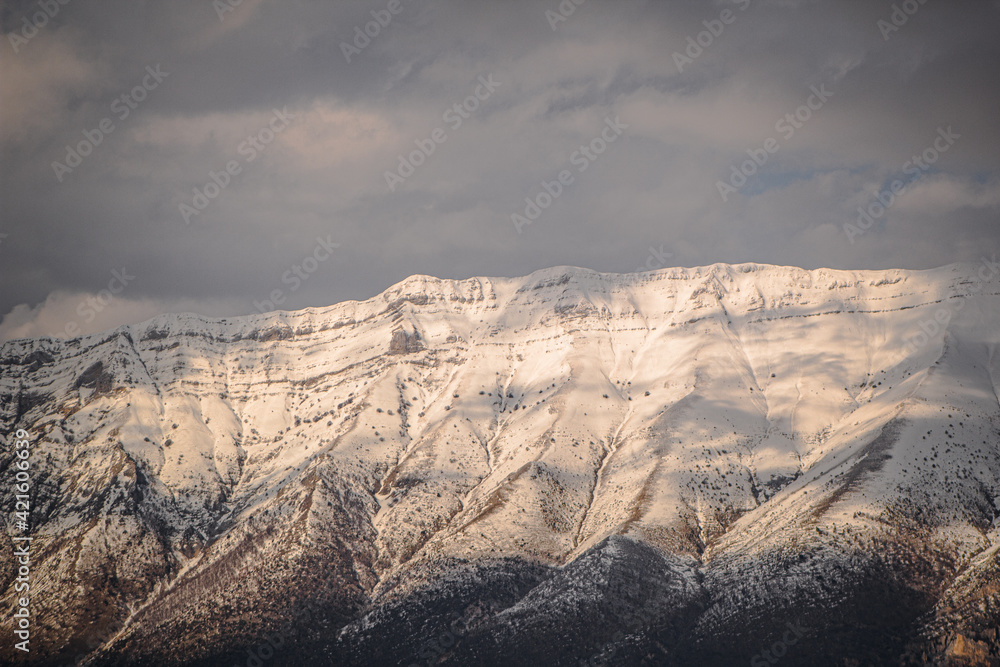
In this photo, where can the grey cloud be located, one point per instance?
(326, 173)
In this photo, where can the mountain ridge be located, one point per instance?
(716, 425)
(554, 271)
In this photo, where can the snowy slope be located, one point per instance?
(731, 418)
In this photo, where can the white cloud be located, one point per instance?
(79, 314)
(942, 194)
(40, 80)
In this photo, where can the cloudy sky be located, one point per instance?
(207, 156)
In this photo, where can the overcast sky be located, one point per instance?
(116, 116)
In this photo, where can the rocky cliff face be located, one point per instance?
(720, 465)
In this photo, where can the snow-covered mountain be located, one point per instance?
(721, 465)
